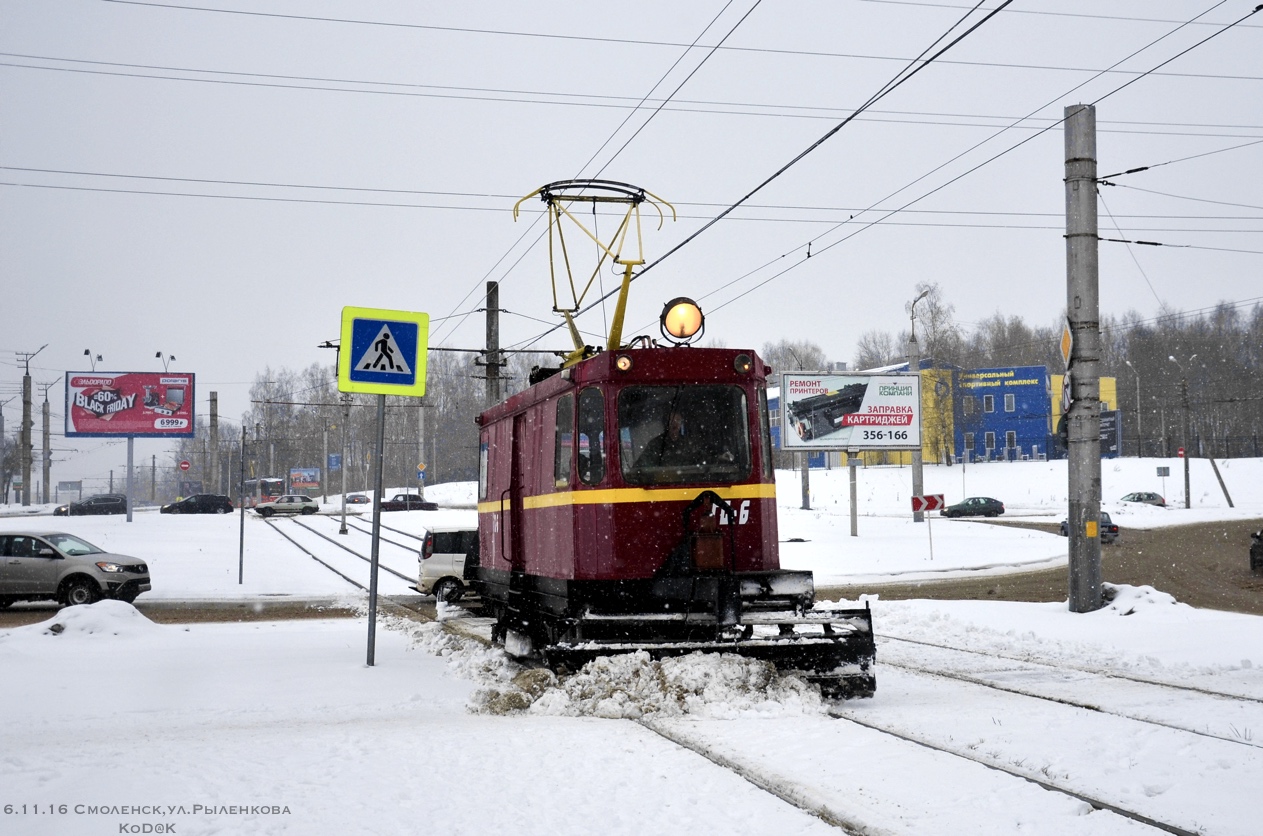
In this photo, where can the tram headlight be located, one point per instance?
(742, 363)
(623, 363)
(682, 320)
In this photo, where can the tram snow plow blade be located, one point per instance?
(833, 648)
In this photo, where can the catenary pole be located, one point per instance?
(1083, 315)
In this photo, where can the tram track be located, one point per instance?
(367, 559)
(1229, 714)
(1079, 668)
(369, 530)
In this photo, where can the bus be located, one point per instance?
(255, 491)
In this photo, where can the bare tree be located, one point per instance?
(788, 356)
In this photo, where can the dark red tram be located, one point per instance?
(627, 502)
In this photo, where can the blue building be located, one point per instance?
(1003, 413)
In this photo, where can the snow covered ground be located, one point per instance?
(990, 717)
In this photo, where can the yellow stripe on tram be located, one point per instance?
(614, 496)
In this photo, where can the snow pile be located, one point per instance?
(1124, 599)
(626, 686)
(713, 685)
(104, 618)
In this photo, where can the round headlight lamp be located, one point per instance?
(682, 321)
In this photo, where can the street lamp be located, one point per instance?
(93, 358)
(165, 360)
(914, 366)
(1188, 501)
(1139, 449)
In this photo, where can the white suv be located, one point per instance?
(447, 554)
(290, 504)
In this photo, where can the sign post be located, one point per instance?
(931, 502)
(823, 411)
(382, 352)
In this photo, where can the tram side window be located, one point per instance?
(591, 436)
(765, 435)
(563, 446)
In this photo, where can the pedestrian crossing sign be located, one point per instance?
(383, 352)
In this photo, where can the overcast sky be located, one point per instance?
(218, 183)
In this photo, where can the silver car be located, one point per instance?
(53, 565)
(288, 504)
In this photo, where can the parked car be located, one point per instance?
(357, 499)
(288, 504)
(1108, 529)
(1256, 551)
(447, 561)
(975, 506)
(408, 502)
(199, 503)
(53, 565)
(105, 503)
(1146, 497)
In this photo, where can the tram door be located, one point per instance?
(517, 490)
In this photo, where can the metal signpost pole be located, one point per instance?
(377, 523)
(914, 366)
(382, 352)
(852, 464)
(241, 500)
(346, 416)
(131, 446)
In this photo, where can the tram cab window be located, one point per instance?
(683, 434)
(591, 436)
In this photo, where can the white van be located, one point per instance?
(449, 552)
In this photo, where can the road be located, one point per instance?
(1204, 565)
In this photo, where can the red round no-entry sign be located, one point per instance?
(184, 465)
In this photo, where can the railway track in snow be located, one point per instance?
(1080, 668)
(1218, 715)
(350, 565)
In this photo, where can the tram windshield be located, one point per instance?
(683, 434)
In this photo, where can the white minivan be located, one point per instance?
(447, 553)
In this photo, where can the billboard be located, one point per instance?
(827, 411)
(304, 477)
(121, 404)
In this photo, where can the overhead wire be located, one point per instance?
(546, 97)
(609, 40)
(657, 84)
(886, 215)
(910, 70)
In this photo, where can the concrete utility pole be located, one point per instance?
(214, 486)
(47, 460)
(914, 366)
(1188, 426)
(4, 443)
(27, 424)
(493, 344)
(1140, 449)
(1083, 318)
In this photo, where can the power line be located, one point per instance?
(499, 197)
(966, 173)
(1180, 160)
(631, 41)
(675, 105)
(614, 156)
(1182, 197)
(1042, 12)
